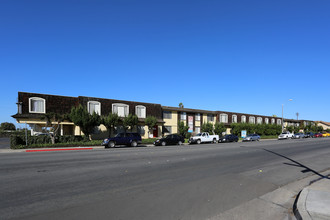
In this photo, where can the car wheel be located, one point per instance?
(163, 143)
(198, 141)
(236, 140)
(134, 144)
(111, 144)
(214, 140)
(180, 143)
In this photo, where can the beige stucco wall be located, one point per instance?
(173, 122)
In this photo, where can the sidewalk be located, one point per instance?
(314, 201)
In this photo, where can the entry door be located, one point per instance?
(155, 131)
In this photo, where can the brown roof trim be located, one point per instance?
(168, 108)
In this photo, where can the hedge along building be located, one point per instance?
(32, 107)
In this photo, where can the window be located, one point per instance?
(273, 120)
(259, 120)
(197, 130)
(252, 120)
(234, 119)
(210, 117)
(167, 115)
(223, 118)
(120, 109)
(94, 106)
(278, 121)
(266, 121)
(183, 116)
(243, 119)
(140, 111)
(168, 129)
(198, 117)
(141, 130)
(37, 105)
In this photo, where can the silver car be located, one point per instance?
(298, 135)
(252, 137)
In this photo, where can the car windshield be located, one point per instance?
(199, 134)
(250, 135)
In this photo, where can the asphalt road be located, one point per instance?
(172, 182)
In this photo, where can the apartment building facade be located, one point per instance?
(31, 107)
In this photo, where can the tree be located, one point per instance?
(181, 105)
(130, 121)
(110, 122)
(182, 129)
(207, 127)
(219, 128)
(7, 126)
(57, 119)
(86, 121)
(150, 121)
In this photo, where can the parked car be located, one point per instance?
(285, 135)
(170, 139)
(317, 135)
(129, 139)
(252, 137)
(298, 135)
(228, 138)
(309, 134)
(326, 135)
(203, 138)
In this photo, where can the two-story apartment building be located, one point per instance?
(32, 107)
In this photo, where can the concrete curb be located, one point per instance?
(301, 212)
(313, 201)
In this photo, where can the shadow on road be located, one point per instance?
(297, 164)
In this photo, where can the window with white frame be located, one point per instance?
(273, 120)
(140, 111)
(120, 109)
(252, 120)
(198, 130)
(183, 116)
(223, 118)
(37, 105)
(266, 121)
(279, 121)
(167, 114)
(259, 120)
(210, 117)
(234, 119)
(198, 117)
(243, 119)
(94, 106)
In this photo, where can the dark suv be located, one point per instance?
(129, 139)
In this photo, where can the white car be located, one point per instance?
(285, 135)
(204, 138)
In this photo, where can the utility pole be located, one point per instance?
(297, 115)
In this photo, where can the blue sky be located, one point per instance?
(242, 56)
